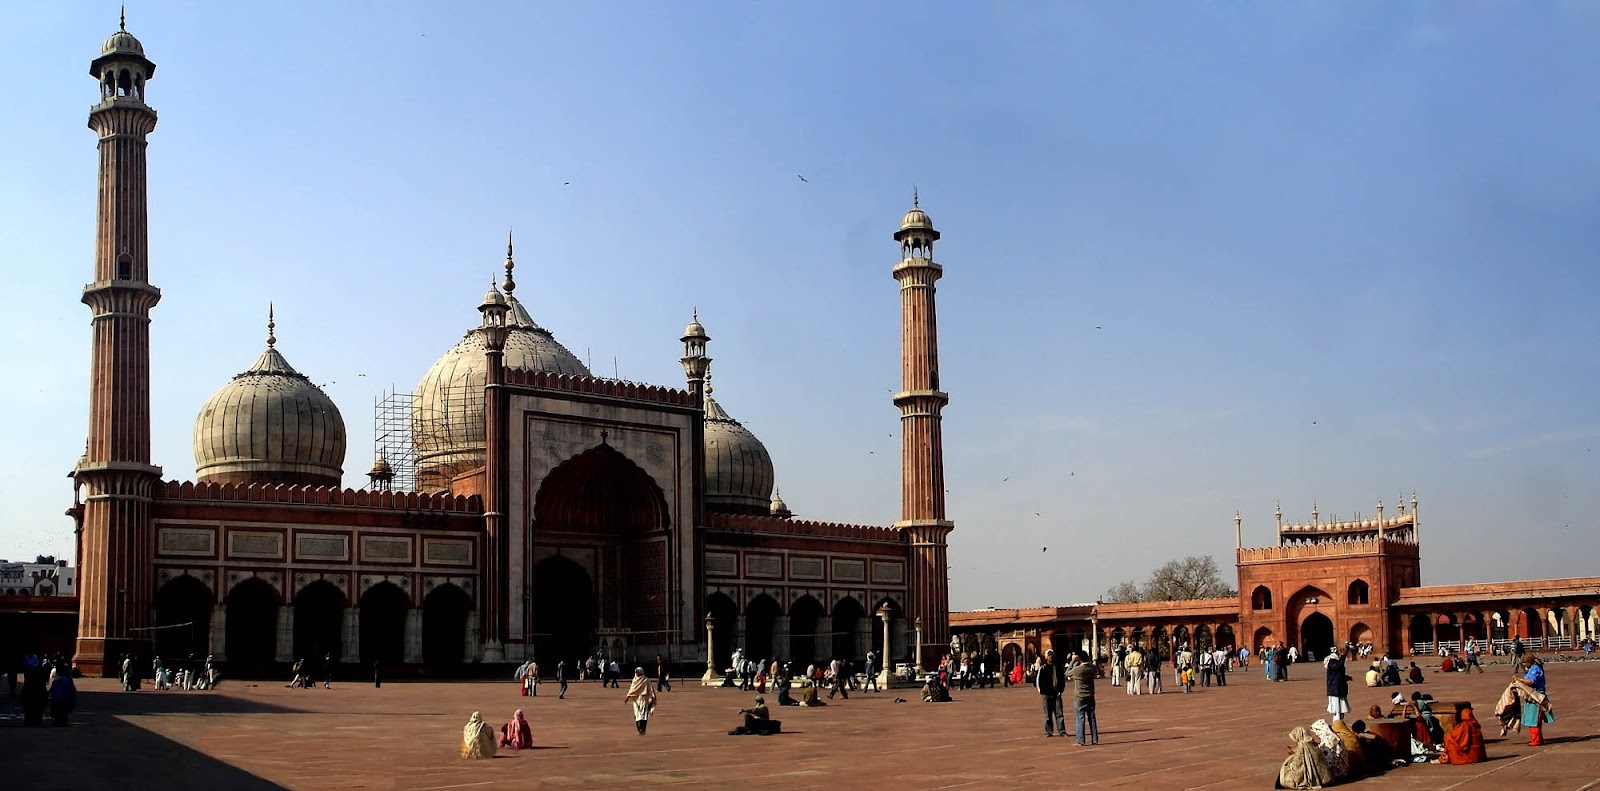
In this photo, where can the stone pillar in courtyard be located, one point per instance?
(217, 642)
(712, 678)
(285, 635)
(886, 675)
(413, 654)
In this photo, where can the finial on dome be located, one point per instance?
(916, 201)
(122, 24)
(510, 284)
(272, 325)
(708, 381)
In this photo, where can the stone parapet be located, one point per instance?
(608, 388)
(319, 495)
(1324, 549)
(805, 528)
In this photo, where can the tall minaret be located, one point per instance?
(115, 579)
(920, 400)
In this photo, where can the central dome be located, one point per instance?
(739, 475)
(270, 425)
(447, 423)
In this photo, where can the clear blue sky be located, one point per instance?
(1338, 251)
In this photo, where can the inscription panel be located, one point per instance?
(890, 571)
(724, 564)
(805, 568)
(849, 571)
(316, 546)
(245, 544)
(385, 549)
(187, 541)
(446, 552)
(763, 565)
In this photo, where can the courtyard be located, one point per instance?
(260, 735)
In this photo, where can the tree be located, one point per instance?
(1176, 580)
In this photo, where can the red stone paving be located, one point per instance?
(405, 736)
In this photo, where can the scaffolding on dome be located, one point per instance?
(391, 440)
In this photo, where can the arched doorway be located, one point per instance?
(847, 617)
(444, 626)
(383, 625)
(252, 628)
(183, 619)
(1421, 634)
(1224, 637)
(1203, 639)
(759, 618)
(1262, 638)
(565, 612)
(1360, 633)
(318, 621)
(601, 495)
(804, 615)
(1316, 636)
(726, 614)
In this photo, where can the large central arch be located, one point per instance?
(565, 614)
(601, 498)
(1316, 636)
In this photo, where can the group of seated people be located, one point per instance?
(1385, 672)
(1333, 752)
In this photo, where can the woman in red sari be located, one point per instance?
(516, 734)
(1464, 743)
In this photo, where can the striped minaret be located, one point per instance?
(115, 578)
(922, 516)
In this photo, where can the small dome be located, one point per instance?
(492, 297)
(381, 470)
(447, 423)
(739, 475)
(916, 219)
(695, 330)
(778, 506)
(122, 41)
(270, 424)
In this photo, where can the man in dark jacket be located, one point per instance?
(1051, 681)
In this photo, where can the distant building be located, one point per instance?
(1323, 586)
(46, 576)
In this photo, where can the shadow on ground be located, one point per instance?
(100, 750)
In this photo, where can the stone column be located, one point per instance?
(780, 639)
(712, 678)
(413, 636)
(285, 635)
(916, 658)
(219, 632)
(886, 675)
(350, 645)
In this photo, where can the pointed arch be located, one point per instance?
(804, 616)
(444, 626)
(251, 637)
(318, 621)
(1261, 598)
(1358, 593)
(760, 616)
(848, 620)
(383, 624)
(183, 618)
(725, 615)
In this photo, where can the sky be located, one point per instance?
(1199, 257)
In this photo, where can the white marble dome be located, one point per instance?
(739, 474)
(447, 423)
(270, 424)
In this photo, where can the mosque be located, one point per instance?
(545, 512)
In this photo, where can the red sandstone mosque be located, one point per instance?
(544, 512)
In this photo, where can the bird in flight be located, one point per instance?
(566, 183)
(1044, 549)
(802, 178)
(1099, 328)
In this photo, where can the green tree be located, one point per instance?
(1194, 577)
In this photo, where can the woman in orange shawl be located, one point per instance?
(1464, 743)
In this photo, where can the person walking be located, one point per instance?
(1472, 656)
(1051, 682)
(1517, 650)
(377, 673)
(1338, 687)
(1081, 675)
(1133, 664)
(643, 699)
(663, 684)
(327, 671)
(561, 680)
(1219, 666)
(1206, 665)
(872, 673)
(1536, 711)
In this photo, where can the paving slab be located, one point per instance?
(261, 735)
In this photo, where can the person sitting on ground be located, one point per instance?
(1375, 675)
(1305, 767)
(1447, 665)
(808, 697)
(935, 692)
(1464, 743)
(1414, 674)
(1354, 752)
(1379, 754)
(477, 738)
(757, 721)
(516, 734)
(1333, 753)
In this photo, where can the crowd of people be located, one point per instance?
(47, 684)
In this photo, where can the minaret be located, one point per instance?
(496, 558)
(695, 362)
(920, 400)
(115, 578)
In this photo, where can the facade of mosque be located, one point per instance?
(1324, 585)
(555, 513)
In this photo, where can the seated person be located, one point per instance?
(1464, 743)
(1447, 665)
(1414, 675)
(784, 698)
(757, 721)
(1379, 754)
(808, 697)
(935, 692)
(1425, 716)
(1374, 675)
